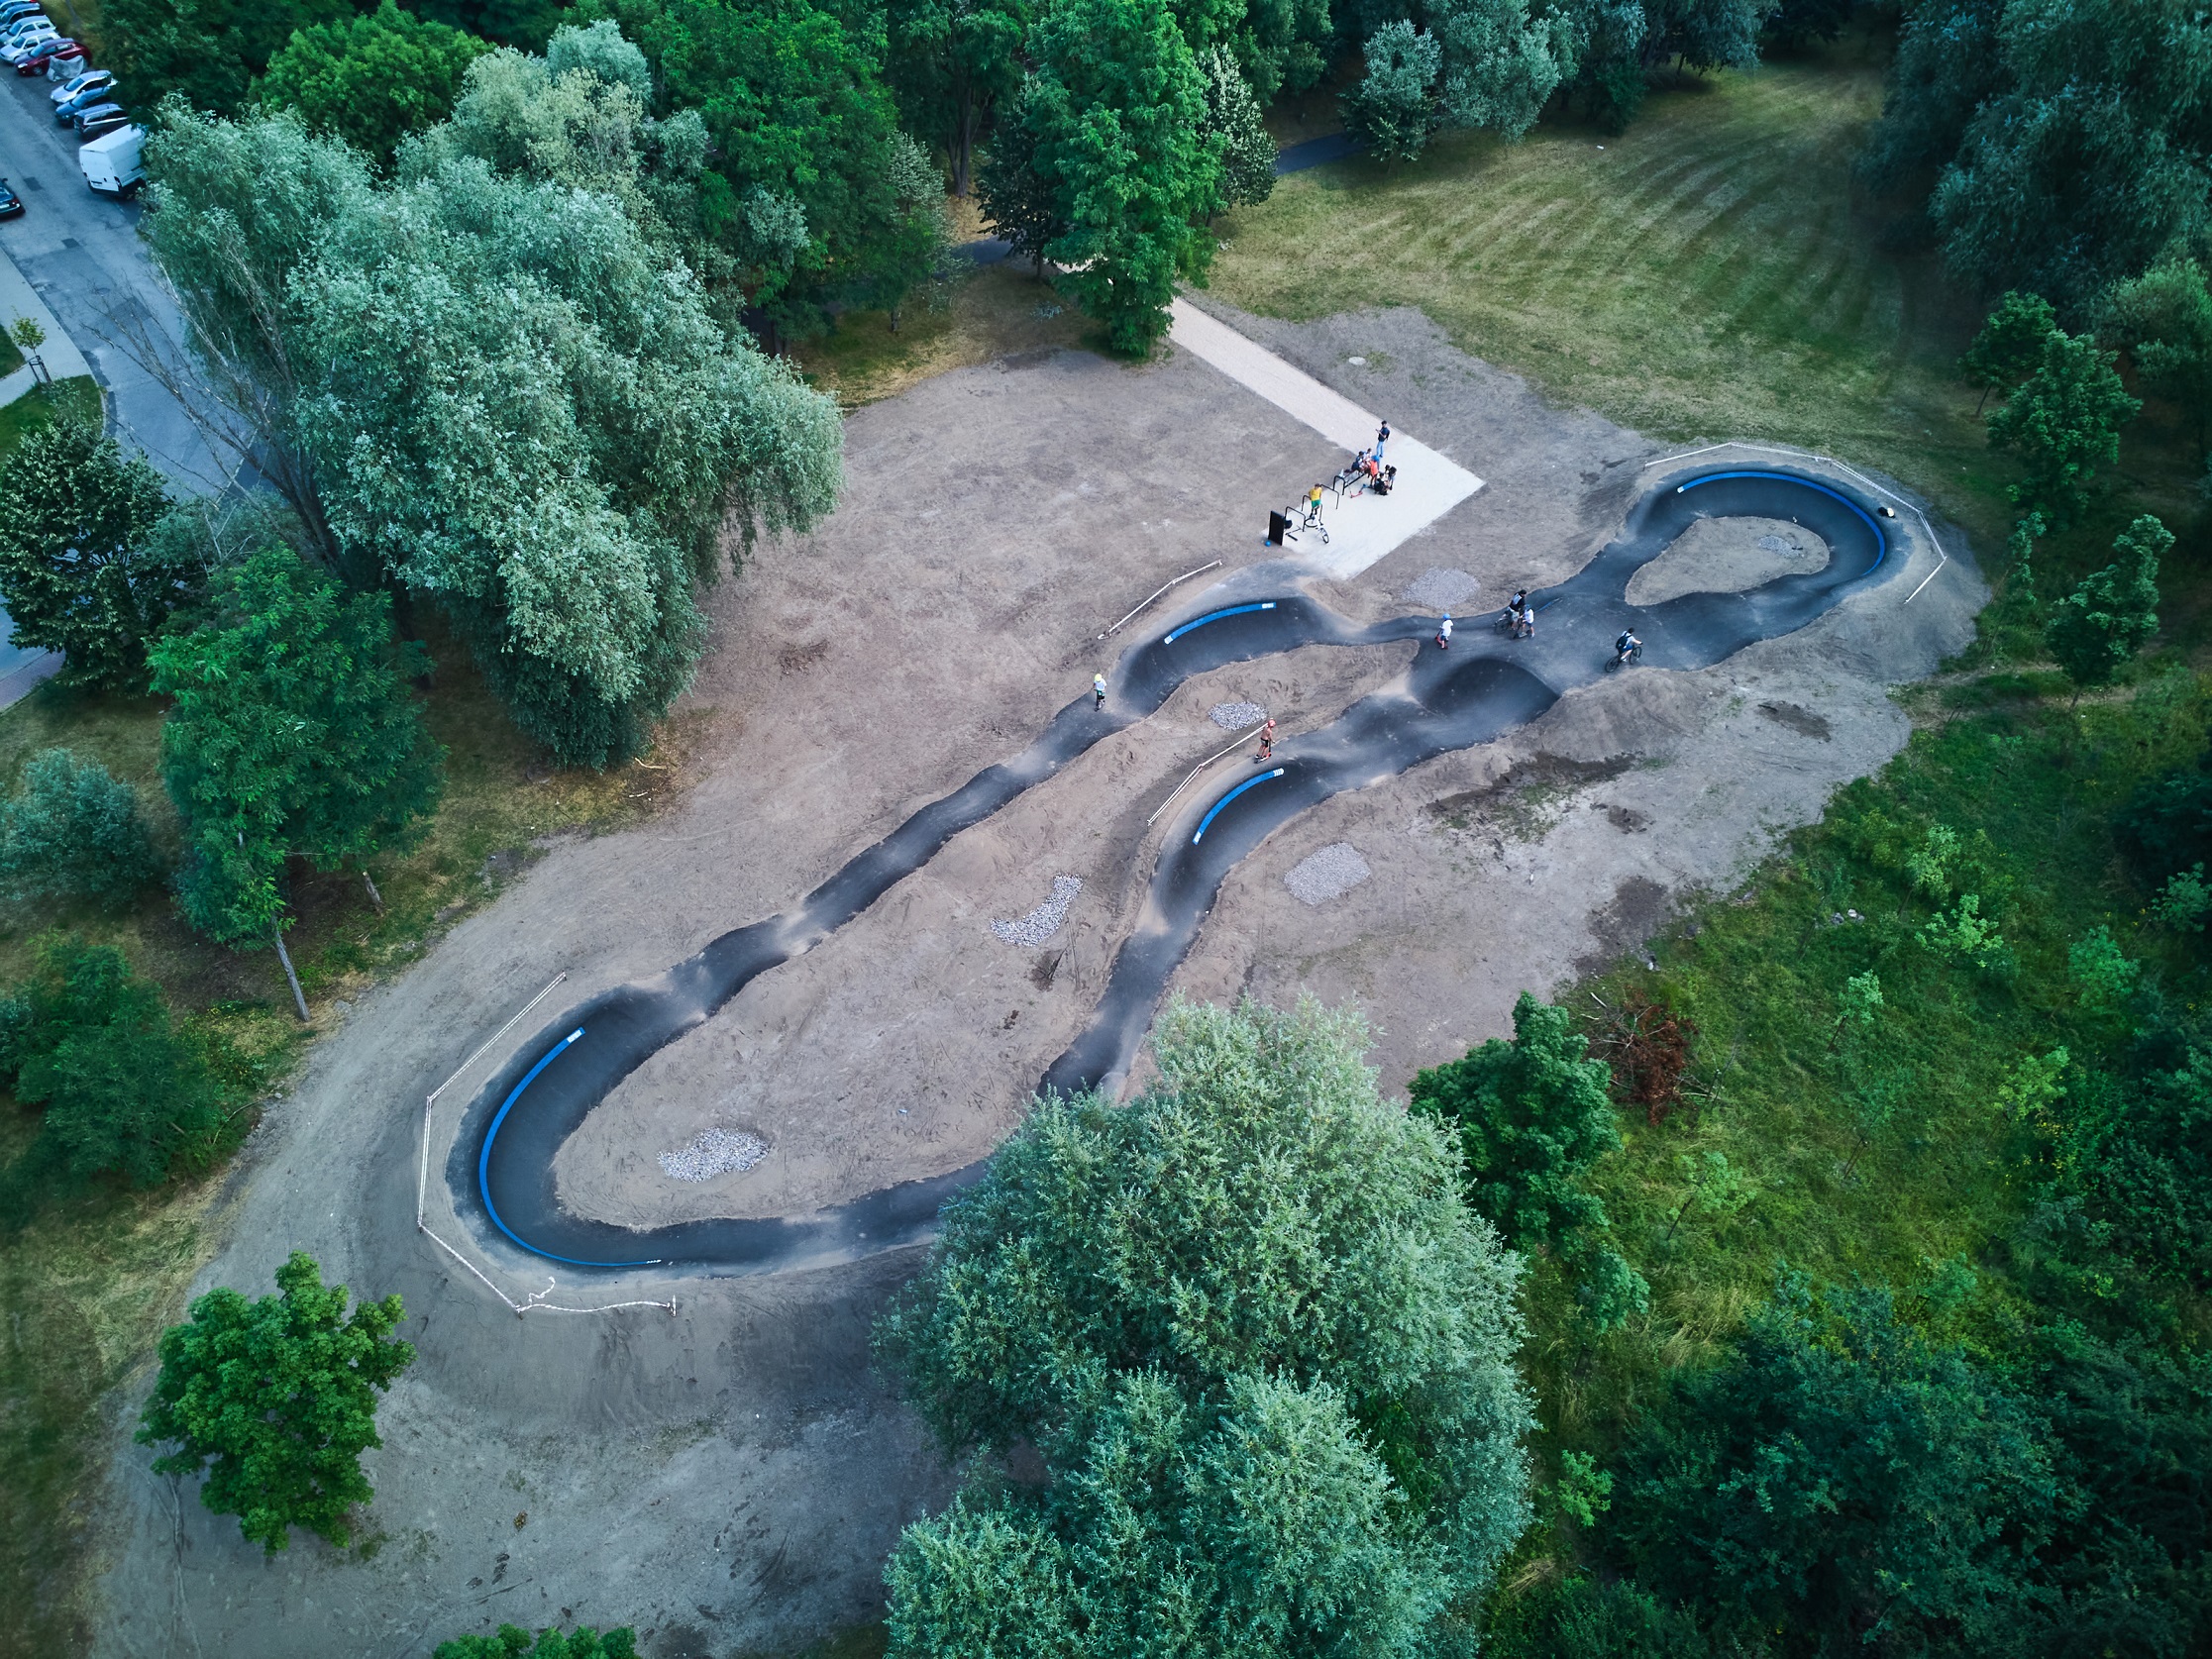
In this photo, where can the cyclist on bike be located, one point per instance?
(1626, 647)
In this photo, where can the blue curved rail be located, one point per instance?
(1881, 541)
(484, 1164)
(1248, 784)
(1215, 616)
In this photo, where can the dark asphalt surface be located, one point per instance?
(501, 1166)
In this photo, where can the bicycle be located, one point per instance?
(1624, 659)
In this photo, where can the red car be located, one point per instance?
(45, 53)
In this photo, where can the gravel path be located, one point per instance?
(715, 1152)
(1044, 921)
(1328, 873)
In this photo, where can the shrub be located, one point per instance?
(1532, 1116)
(73, 832)
(93, 1044)
(513, 1642)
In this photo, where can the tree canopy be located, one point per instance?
(79, 571)
(370, 80)
(1257, 1335)
(1115, 117)
(1532, 1116)
(2065, 423)
(92, 1044)
(293, 733)
(2113, 612)
(274, 1400)
(1840, 1474)
(495, 391)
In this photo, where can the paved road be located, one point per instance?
(82, 255)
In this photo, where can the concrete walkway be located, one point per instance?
(1361, 528)
(60, 354)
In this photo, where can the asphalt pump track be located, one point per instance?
(501, 1169)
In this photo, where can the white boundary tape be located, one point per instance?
(534, 1302)
(1934, 541)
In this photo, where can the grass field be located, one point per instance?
(1709, 274)
(78, 396)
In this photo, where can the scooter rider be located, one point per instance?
(1443, 633)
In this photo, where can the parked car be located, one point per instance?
(66, 114)
(101, 118)
(11, 204)
(24, 43)
(25, 29)
(64, 65)
(15, 11)
(33, 60)
(83, 81)
(113, 164)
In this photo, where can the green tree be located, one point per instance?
(495, 392)
(371, 80)
(952, 64)
(1499, 63)
(1394, 108)
(1532, 1116)
(1018, 201)
(912, 258)
(207, 50)
(2064, 421)
(1839, 1474)
(75, 572)
(274, 1399)
(2095, 630)
(2163, 319)
(2083, 156)
(512, 1642)
(523, 24)
(1233, 115)
(795, 105)
(2010, 346)
(1233, 1316)
(293, 733)
(73, 832)
(1117, 107)
(92, 1044)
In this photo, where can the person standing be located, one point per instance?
(1382, 437)
(1267, 743)
(1313, 505)
(1098, 690)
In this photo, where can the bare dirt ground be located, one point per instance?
(729, 1478)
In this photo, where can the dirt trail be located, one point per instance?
(731, 1477)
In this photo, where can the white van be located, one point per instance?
(111, 162)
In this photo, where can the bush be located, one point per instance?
(1840, 1475)
(2167, 825)
(1532, 1116)
(2145, 1163)
(512, 1642)
(73, 832)
(93, 1044)
(76, 570)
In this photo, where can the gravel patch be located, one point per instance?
(1234, 717)
(1328, 873)
(1442, 589)
(1787, 546)
(1044, 921)
(715, 1152)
